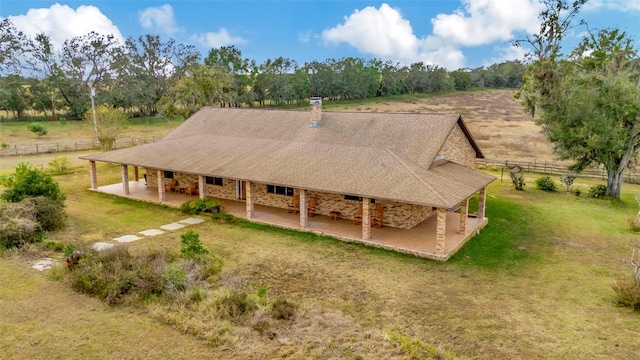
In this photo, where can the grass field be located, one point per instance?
(535, 284)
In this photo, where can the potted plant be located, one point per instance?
(201, 205)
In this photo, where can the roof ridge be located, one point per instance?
(420, 179)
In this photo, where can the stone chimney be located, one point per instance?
(316, 111)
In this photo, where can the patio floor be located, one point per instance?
(419, 240)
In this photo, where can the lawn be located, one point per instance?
(535, 284)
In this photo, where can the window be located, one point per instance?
(213, 181)
(357, 198)
(280, 190)
(168, 174)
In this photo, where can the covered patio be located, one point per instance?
(438, 237)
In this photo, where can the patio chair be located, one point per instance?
(311, 209)
(172, 186)
(193, 190)
(357, 218)
(294, 205)
(378, 217)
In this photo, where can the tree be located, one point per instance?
(110, 122)
(588, 104)
(201, 86)
(11, 47)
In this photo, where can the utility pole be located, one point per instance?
(93, 109)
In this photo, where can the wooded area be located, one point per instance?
(150, 75)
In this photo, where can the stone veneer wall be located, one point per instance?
(458, 149)
(226, 191)
(400, 215)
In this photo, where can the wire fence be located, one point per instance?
(545, 167)
(65, 146)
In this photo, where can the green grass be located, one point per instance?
(535, 283)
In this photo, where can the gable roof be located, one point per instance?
(378, 155)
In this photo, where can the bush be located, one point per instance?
(283, 310)
(48, 213)
(38, 129)
(546, 184)
(628, 293)
(234, 304)
(517, 177)
(597, 191)
(59, 165)
(15, 232)
(567, 180)
(191, 245)
(195, 207)
(30, 182)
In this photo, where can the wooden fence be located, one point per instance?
(546, 167)
(64, 146)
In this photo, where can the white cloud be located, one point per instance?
(304, 36)
(483, 22)
(506, 53)
(160, 18)
(384, 32)
(622, 5)
(61, 23)
(216, 40)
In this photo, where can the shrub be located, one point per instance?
(224, 218)
(30, 182)
(4, 145)
(577, 192)
(234, 304)
(15, 232)
(48, 213)
(628, 293)
(59, 165)
(517, 177)
(283, 310)
(546, 184)
(567, 180)
(191, 245)
(597, 191)
(38, 129)
(195, 207)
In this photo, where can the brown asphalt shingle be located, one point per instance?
(378, 155)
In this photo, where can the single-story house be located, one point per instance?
(410, 175)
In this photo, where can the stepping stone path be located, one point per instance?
(45, 264)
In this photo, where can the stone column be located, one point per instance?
(441, 229)
(366, 218)
(464, 216)
(136, 175)
(249, 200)
(201, 185)
(124, 171)
(160, 183)
(303, 208)
(482, 203)
(93, 174)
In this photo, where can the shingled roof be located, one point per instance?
(379, 155)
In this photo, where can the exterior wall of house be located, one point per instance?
(396, 214)
(458, 149)
(400, 215)
(226, 191)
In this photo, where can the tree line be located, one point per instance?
(148, 76)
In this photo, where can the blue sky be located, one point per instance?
(448, 33)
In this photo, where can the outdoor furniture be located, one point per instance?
(294, 205)
(172, 186)
(313, 202)
(378, 217)
(193, 190)
(357, 218)
(335, 215)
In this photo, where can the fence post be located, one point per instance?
(37, 149)
(57, 147)
(16, 147)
